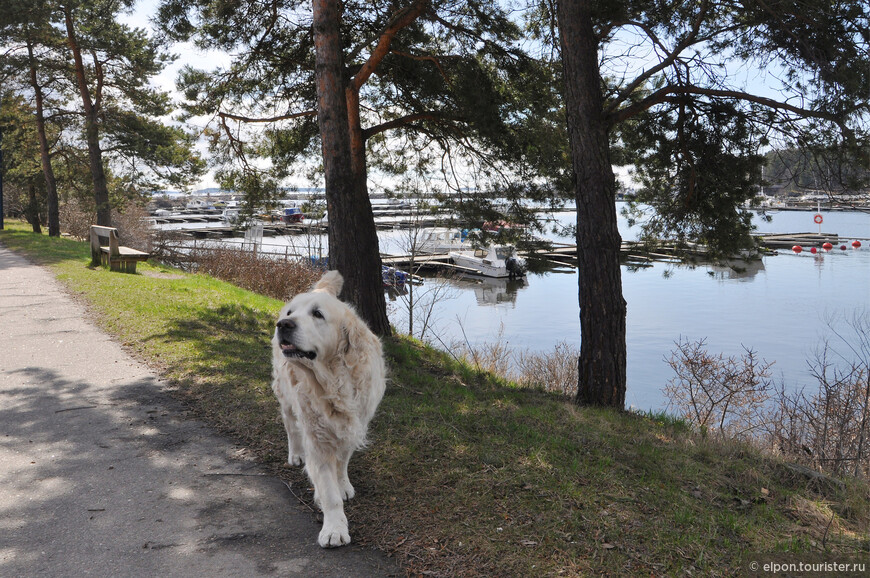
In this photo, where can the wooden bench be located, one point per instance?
(105, 250)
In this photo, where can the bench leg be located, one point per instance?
(121, 265)
(125, 266)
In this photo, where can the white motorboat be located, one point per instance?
(231, 215)
(199, 205)
(491, 261)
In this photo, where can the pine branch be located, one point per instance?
(401, 19)
(664, 94)
(430, 58)
(399, 122)
(240, 118)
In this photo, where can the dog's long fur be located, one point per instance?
(329, 377)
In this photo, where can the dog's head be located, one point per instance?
(313, 325)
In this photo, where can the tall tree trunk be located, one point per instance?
(32, 212)
(602, 362)
(362, 234)
(44, 153)
(353, 243)
(92, 127)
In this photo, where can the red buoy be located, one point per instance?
(856, 244)
(797, 248)
(842, 247)
(827, 246)
(814, 250)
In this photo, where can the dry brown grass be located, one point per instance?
(261, 273)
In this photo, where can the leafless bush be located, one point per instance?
(418, 304)
(725, 395)
(492, 356)
(133, 227)
(554, 371)
(828, 429)
(259, 272)
(76, 218)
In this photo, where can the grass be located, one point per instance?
(469, 475)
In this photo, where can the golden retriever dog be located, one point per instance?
(329, 377)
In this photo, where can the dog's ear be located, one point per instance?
(331, 282)
(353, 332)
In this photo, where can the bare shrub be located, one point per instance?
(828, 429)
(258, 272)
(554, 371)
(76, 218)
(133, 227)
(168, 246)
(725, 395)
(491, 356)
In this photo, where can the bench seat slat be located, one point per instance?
(128, 252)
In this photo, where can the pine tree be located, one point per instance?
(25, 34)
(427, 87)
(693, 129)
(112, 65)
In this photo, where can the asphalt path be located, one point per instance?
(102, 473)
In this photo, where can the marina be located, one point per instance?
(783, 306)
(439, 253)
(780, 305)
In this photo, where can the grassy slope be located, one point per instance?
(465, 474)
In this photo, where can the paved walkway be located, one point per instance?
(103, 474)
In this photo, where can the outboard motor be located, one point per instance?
(515, 268)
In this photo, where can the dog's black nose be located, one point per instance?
(286, 324)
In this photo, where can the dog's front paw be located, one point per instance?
(295, 460)
(333, 536)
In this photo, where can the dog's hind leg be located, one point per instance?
(295, 450)
(323, 471)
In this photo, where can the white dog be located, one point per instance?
(329, 377)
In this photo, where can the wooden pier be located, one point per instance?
(789, 240)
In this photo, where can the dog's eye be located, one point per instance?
(317, 313)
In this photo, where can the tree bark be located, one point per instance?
(353, 241)
(602, 362)
(32, 211)
(51, 203)
(92, 127)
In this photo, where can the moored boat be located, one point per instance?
(492, 261)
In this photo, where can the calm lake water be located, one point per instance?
(779, 306)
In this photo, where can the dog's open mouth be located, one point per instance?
(290, 350)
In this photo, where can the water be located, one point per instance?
(779, 307)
